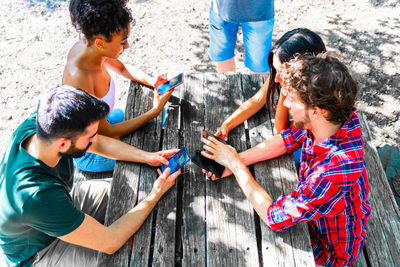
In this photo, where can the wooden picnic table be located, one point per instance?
(200, 222)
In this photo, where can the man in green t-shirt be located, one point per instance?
(41, 220)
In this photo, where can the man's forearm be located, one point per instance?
(270, 148)
(257, 195)
(92, 234)
(123, 228)
(118, 150)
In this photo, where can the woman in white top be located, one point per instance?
(105, 27)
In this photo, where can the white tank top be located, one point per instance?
(109, 98)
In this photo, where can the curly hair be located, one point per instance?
(296, 41)
(322, 81)
(99, 17)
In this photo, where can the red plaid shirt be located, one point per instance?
(331, 194)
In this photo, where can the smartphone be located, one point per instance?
(171, 84)
(208, 164)
(177, 161)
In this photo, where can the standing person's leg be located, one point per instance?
(257, 39)
(223, 36)
(226, 66)
(91, 197)
(95, 163)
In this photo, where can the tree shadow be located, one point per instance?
(369, 55)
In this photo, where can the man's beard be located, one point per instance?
(300, 124)
(74, 152)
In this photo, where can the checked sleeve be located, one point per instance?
(293, 138)
(309, 201)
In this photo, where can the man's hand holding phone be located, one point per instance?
(227, 172)
(209, 166)
(216, 150)
(177, 161)
(165, 181)
(159, 158)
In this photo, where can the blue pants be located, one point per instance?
(95, 163)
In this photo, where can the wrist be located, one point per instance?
(227, 125)
(154, 112)
(242, 158)
(154, 196)
(146, 158)
(236, 164)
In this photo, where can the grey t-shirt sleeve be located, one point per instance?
(51, 211)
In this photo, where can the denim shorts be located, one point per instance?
(95, 163)
(257, 39)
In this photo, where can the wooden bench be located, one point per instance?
(204, 223)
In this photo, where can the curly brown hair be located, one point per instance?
(322, 81)
(100, 17)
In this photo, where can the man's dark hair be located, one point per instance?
(99, 17)
(298, 41)
(66, 112)
(322, 81)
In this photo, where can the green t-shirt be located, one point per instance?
(36, 206)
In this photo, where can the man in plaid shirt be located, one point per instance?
(331, 195)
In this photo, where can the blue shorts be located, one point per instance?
(257, 39)
(95, 163)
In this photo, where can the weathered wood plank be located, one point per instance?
(148, 139)
(230, 222)
(164, 241)
(119, 177)
(274, 247)
(128, 176)
(383, 228)
(277, 176)
(194, 181)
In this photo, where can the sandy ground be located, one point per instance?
(172, 36)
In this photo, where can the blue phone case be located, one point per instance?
(177, 161)
(174, 82)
